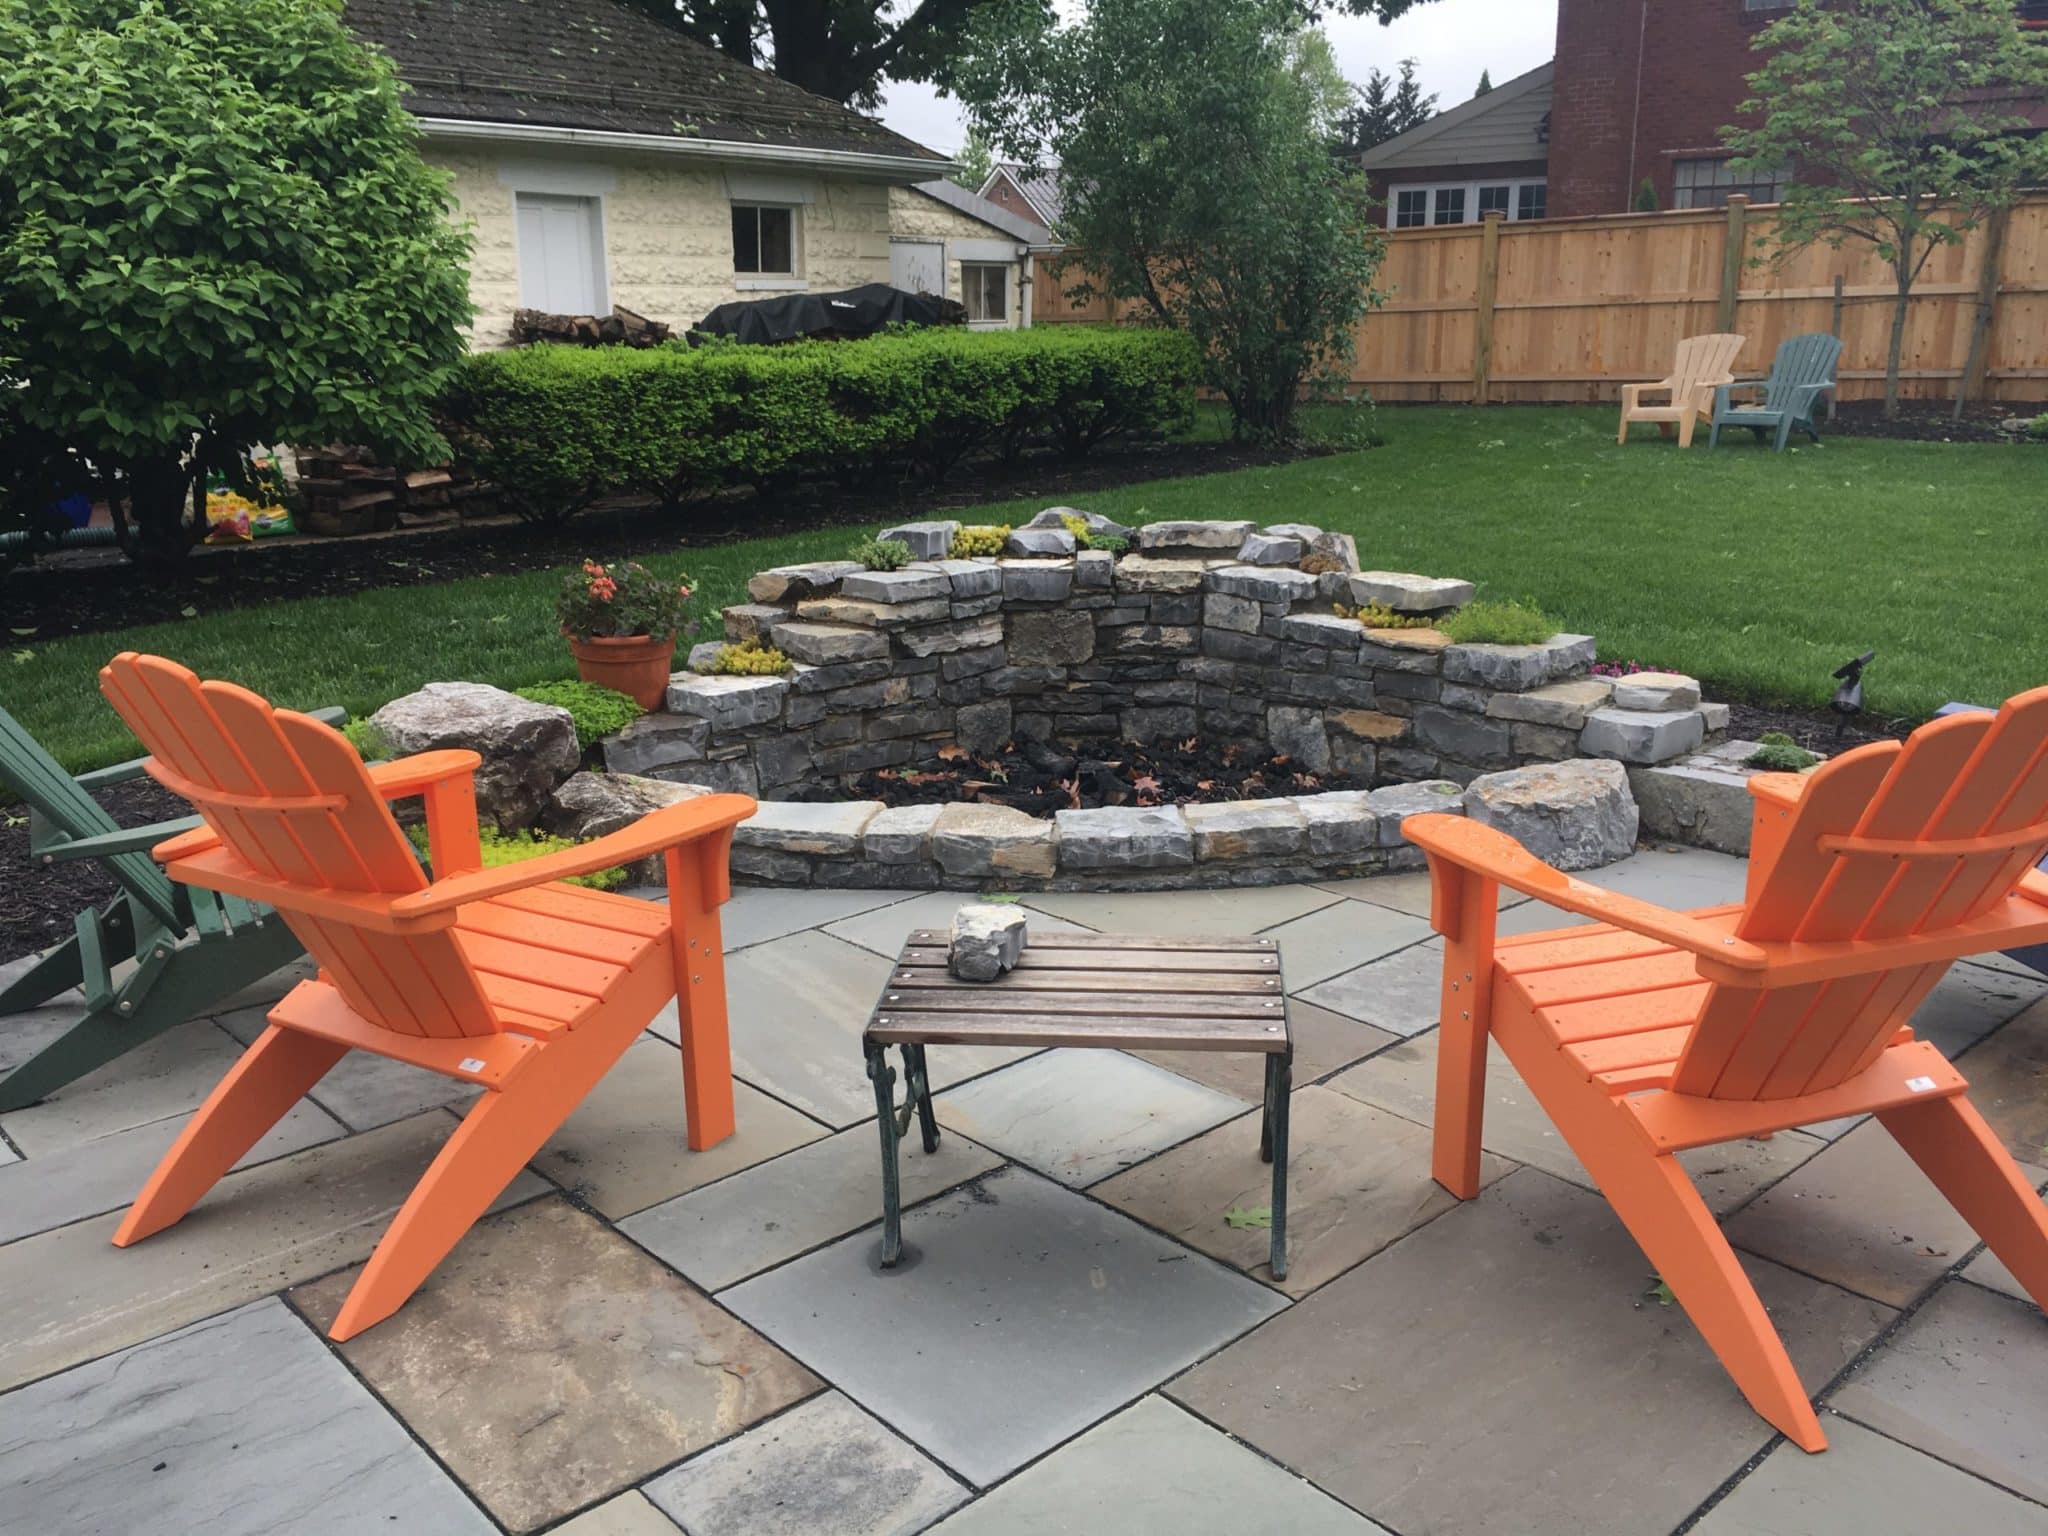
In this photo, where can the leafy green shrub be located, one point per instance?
(368, 741)
(2038, 428)
(1380, 616)
(980, 539)
(1778, 753)
(555, 427)
(596, 711)
(1497, 622)
(749, 658)
(1111, 544)
(517, 847)
(881, 554)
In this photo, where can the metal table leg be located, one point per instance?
(884, 1078)
(1273, 1146)
(917, 1085)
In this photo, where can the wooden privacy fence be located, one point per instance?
(1571, 309)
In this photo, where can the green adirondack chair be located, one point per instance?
(1801, 373)
(191, 947)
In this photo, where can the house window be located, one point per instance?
(1710, 183)
(985, 290)
(561, 254)
(1530, 197)
(1495, 199)
(1411, 208)
(1464, 202)
(763, 240)
(1450, 206)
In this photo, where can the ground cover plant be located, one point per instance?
(1759, 573)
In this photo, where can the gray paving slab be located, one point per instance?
(254, 1232)
(719, 1235)
(1970, 1002)
(243, 1423)
(1340, 937)
(1989, 1270)
(549, 1362)
(2008, 1075)
(1865, 1485)
(1156, 1470)
(757, 914)
(105, 1174)
(1358, 1179)
(1501, 1370)
(1028, 1313)
(1406, 892)
(797, 1006)
(1398, 994)
(1323, 1043)
(826, 1465)
(1675, 877)
(1966, 1380)
(884, 929)
(166, 1078)
(1861, 1215)
(362, 1090)
(1194, 913)
(1081, 1115)
(626, 1146)
(627, 1515)
(1403, 1079)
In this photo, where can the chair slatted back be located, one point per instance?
(1804, 364)
(1703, 362)
(55, 797)
(1938, 806)
(289, 797)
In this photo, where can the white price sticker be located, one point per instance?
(1920, 1084)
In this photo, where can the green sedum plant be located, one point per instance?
(980, 539)
(1498, 622)
(595, 711)
(1380, 616)
(369, 742)
(1778, 753)
(748, 658)
(500, 848)
(215, 230)
(881, 554)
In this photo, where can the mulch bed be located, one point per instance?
(1038, 778)
(44, 899)
(1931, 421)
(87, 591)
(1817, 730)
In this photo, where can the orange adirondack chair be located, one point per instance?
(1704, 363)
(1654, 1031)
(505, 977)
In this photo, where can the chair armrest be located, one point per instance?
(407, 776)
(1494, 855)
(652, 833)
(120, 773)
(127, 840)
(1637, 391)
(2034, 887)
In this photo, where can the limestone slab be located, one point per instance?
(1150, 573)
(788, 583)
(241, 1425)
(1501, 1371)
(1246, 829)
(1862, 1216)
(719, 1235)
(1572, 815)
(1125, 837)
(884, 929)
(1656, 691)
(105, 1174)
(823, 645)
(1211, 537)
(1407, 593)
(627, 1515)
(899, 834)
(257, 1230)
(1164, 1473)
(625, 1147)
(1397, 993)
(992, 840)
(1396, 802)
(824, 1466)
(548, 1362)
(1866, 1485)
(1266, 582)
(1358, 1179)
(1081, 1115)
(1564, 705)
(1403, 1079)
(1966, 1380)
(825, 828)
(1641, 736)
(894, 587)
(1037, 581)
(1194, 913)
(1323, 1042)
(1035, 1311)
(1340, 937)
(729, 703)
(798, 1005)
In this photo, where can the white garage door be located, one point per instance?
(918, 266)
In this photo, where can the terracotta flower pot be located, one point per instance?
(635, 665)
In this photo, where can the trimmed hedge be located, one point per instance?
(555, 427)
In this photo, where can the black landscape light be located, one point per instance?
(1848, 700)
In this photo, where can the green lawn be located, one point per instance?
(1757, 572)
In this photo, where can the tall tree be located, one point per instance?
(215, 230)
(1193, 140)
(1383, 109)
(1897, 117)
(1485, 84)
(844, 49)
(976, 161)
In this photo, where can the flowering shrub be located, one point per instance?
(613, 601)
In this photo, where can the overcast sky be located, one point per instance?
(1451, 41)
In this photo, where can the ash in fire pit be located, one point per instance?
(1041, 778)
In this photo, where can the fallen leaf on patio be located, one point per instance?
(952, 752)
(1249, 1216)
(1661, 1293)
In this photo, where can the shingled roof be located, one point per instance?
(593, 64)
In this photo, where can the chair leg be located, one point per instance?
(1685, 427)
(498, 1136)
(1784, 434)
(1714, 434)
(58, 971)
(259, 1090)
(1621, 437)
(1965, 1160)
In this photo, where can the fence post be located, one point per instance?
(1835, 330)
(1731, 262)
(1482, 318)
(1987, 310)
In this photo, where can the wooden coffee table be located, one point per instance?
(1105, 991)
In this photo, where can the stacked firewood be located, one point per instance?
(347, 491)
(620, 328)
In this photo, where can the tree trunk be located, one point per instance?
(1898, 343)
(157, 492)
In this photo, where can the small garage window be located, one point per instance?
(985, 290)
(763, 240)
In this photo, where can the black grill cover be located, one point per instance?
(858, 311)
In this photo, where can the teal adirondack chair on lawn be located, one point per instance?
(192, 947)
(1801, 373)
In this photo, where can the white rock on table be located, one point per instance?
(987, 941)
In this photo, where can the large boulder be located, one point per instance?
(1572, 815)
(527, 748)
(588, 805)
